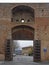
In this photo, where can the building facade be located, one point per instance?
(24, 21)
(27, 50)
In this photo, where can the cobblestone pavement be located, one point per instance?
(23, 60)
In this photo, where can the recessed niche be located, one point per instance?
(11, 19)
(28, 20)
(22, 12)
(17, 20)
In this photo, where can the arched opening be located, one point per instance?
(23, 34)
(22, 14)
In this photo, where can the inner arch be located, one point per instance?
(22, 32)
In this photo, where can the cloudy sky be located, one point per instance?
(24, 43)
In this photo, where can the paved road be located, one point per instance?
(22, 60)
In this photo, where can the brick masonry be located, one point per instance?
(41, 25)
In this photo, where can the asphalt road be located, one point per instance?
(23, 60)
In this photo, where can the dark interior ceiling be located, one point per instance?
(22, 32)
(23, 8)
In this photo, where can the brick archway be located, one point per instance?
(23, 12)
(22, 32)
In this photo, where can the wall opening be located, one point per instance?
(23, 35)
(22, 14)
(23, 49)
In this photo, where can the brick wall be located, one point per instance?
(41, 25)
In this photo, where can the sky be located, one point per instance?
(24, 43)
(24, 1)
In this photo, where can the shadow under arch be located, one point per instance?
(23, 8)
(23, 32)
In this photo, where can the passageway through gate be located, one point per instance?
(24, 32)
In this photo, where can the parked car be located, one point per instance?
(14, 55)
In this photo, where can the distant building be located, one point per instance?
(27, 50)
